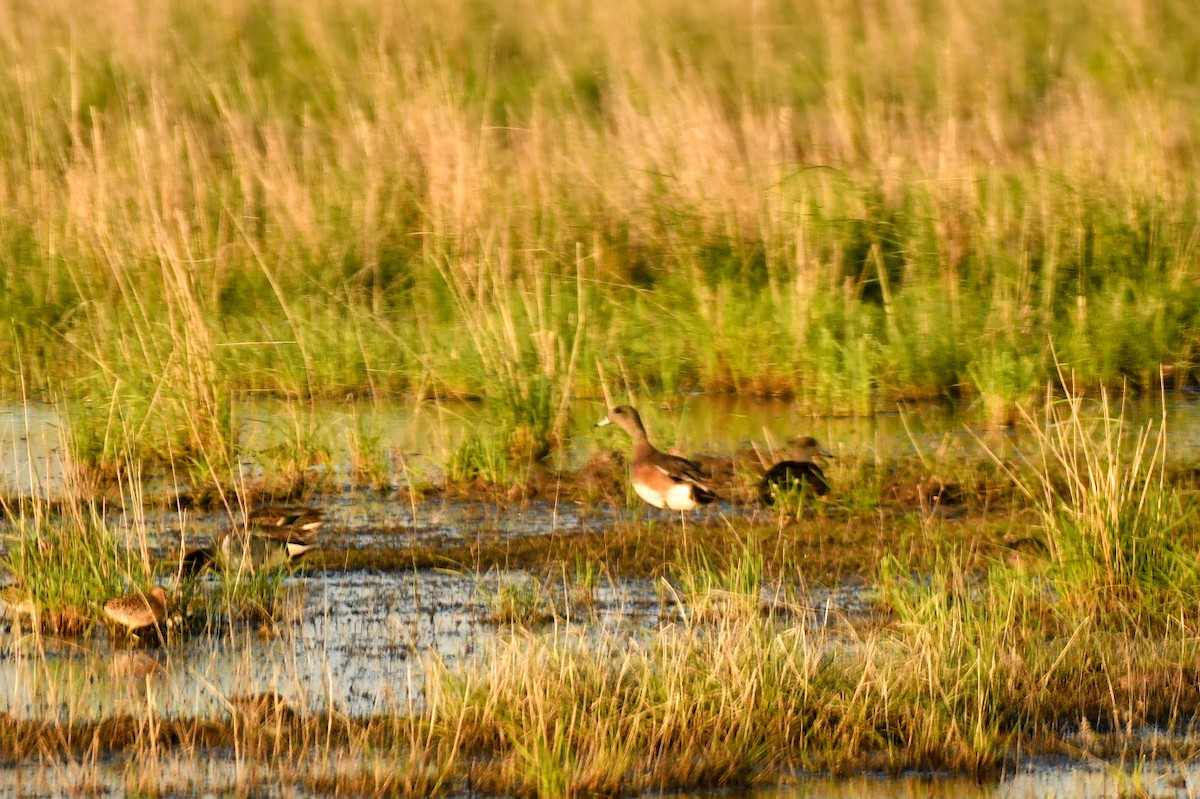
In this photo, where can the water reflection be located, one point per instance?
(1064, 780)
(361, 643)
(31, 457)
(407, 439)
(220, 773)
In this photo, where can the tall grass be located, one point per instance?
(66, 559)
(350, 197)
(1112, 522)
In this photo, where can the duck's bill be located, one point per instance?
(603, 422)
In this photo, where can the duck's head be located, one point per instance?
(626, 417)
(805, 448)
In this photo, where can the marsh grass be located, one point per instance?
(1004, 381)
(69, 568)
(1112, 522)
(481, 455)
(71, 555)
(518, 600)
(704, 592)
(964, 662)
(717, 699)
(739, 681)
(771, 208)
(369, 464)
(264, 597)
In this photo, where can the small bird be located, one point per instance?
(138, 611)
(271, 538)
(664, 481)
(305, 520)
(799, 471)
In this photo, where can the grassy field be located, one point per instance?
(848, 203)
(844, 202)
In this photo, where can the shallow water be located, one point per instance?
(222, 773)
(31, 451)
(360, 644)
(361, 641)
(412, 440)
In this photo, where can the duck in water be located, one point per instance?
(664, 481)
(799, 471)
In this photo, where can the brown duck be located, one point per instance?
(138, 611)
(665, 481)
(272, 537)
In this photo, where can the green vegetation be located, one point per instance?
(63, 560)
(1060, 618)
(1096, 631)
(68, 563)
(847, 203)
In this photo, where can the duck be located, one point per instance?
(137, 611)
(271, 538)
(798, 471)
(664, 481)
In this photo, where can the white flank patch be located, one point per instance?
(679, 497)
(650, 495)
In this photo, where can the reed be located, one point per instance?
(1110, 518)
(769, 207)
(66, 557)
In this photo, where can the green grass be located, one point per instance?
(472, 202)
(67, 557)
(69, 562)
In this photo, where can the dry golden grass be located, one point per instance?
(353, 196)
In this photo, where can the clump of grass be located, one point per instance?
(796, 500)
(368, 462)
(707, 593)
(68, 561)
(527, 339)
(264, 597)
(842, 356)
(519, 601)
(580, 583)
(481, 455)
(1004, 380)
(1111, 520)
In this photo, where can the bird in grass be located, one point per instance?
(272, 537)
(799, 471)
(138, 611)
(299, 520)
(664, 481)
